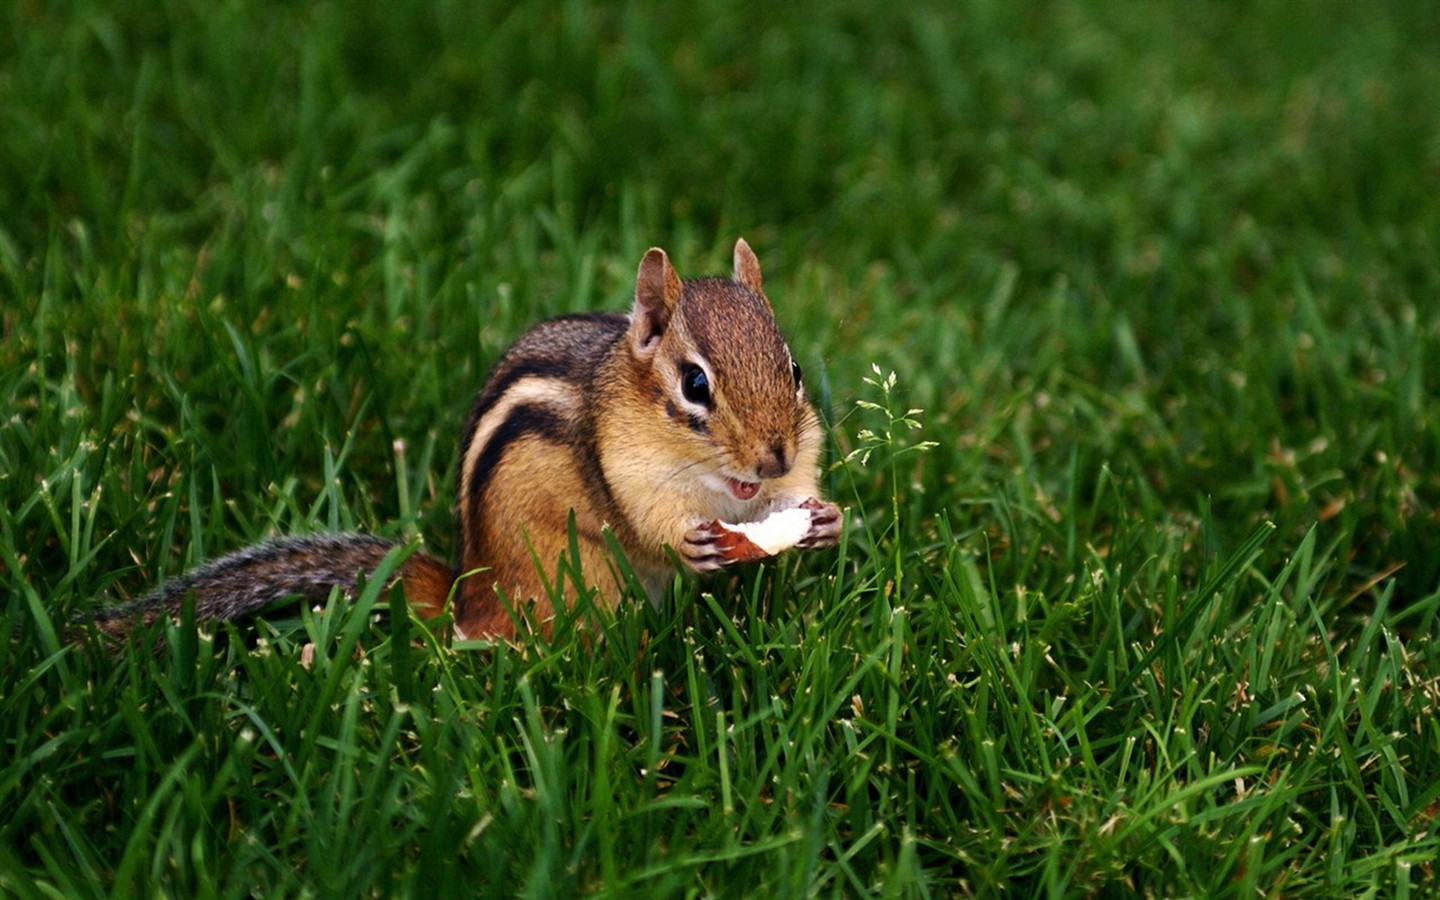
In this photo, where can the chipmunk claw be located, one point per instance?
(708, 548)
(825, 524)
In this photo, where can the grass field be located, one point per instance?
(1156, 614)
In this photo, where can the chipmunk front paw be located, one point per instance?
(708, 547)
(824, 524)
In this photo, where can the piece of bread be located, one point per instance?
(777, 532)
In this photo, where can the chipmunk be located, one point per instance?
(657, 427)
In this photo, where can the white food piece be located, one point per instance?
(778, 531)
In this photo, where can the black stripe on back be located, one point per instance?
(572, 346)
(523, 420)
(496, 389)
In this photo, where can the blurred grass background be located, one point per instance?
(1156, 275)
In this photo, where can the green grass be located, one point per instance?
(1156, 614)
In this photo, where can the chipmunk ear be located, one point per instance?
(747, 267)
(657, 291)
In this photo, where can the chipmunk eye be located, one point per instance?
(796, 371)
(694, 385)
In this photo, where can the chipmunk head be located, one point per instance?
(720, 372)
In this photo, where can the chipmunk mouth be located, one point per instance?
(742, 490)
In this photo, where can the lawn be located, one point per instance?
(1124, 320)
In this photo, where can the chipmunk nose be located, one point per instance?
(774, 461)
